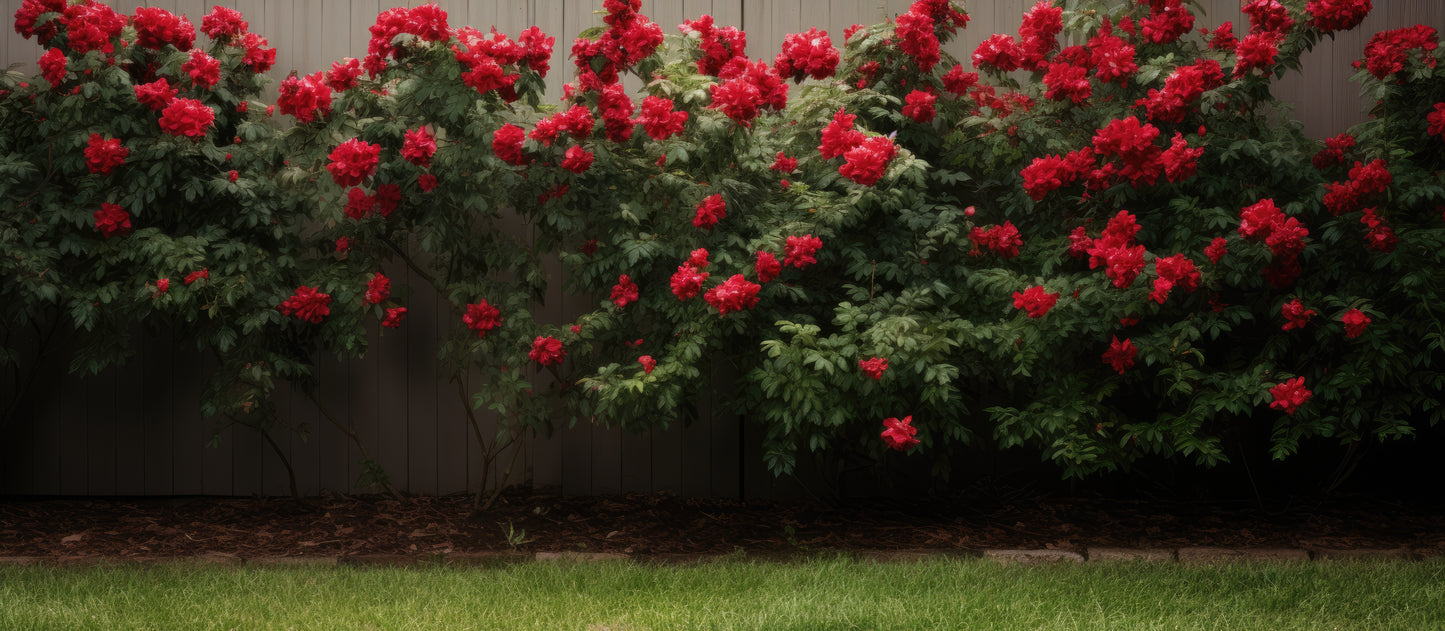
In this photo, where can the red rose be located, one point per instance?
(808, 54)
(658, 118)
(687, 281)
(353, 161)
(799, 251)
(482, 317)
(112, 220)
(257, 55)
(203, 273)
(1291, 394)
(919, 106)
(784, 164)
(1120, 355)
(378, 289)
(223, 23)
(155, 28)
(507, 144)
(52, 67)
(393, 318)
(710, 211)
(648, 363)
(1296, 314)
(866, 163)
(1173, 271)
(156, 94)
(547, 351)
(306, 98)
(233, 175)
(205, 70)
(624, 292)
(899, 433)
(343, 74)
(767, 267)
(958, 82)
(874, 366)
(426, 182)
(343, 244)
(162, 286)
(1380, 237)
(187, 117)
(1355, 322)
(1436, 118)
(308, 304)
(1217, 249)
(577, 159)
(1035, 300)
(698, 258)
(418, 147)
(839, 136)
(734, 294)
(104, 154)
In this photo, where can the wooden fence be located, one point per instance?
(138, 430)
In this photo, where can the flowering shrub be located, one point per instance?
(1131, 254)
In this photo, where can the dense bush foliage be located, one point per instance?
(1110, 250)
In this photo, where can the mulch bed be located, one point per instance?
(662, 525)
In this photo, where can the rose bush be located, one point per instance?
(1101, 238)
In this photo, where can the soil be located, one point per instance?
(663, 526)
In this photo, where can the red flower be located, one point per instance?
(839, 136)
(648, 363)
(1173, 271)
(257, 55)
(1111, 58)
(203, 273)
(1003, 240)
(1381, 237)
(482, 317)
(577, 159)
(874, 366)
(104, 154)
(738, 99)
(393, 317)
(507, 144)
(29, 13)
(866, 163)
(112, 220)
(1256, 50)
(624, 292)
(1334, 151)
(919, 106)
(1295, 314)
(783, 164)
(52, 67)
(156, 94)
(388, 197)
(1267, 16)
(1120, 355)
(187, 117)
(698, 258)
(343, 244)
(307, 98)
(205, 70)
(378, 289)
(162, 286)
(343, 74)
(999, 52)
(687, 281)
(157, 27)
(1337, 15)
(1067, 81)
(1121, 264)
(1385, 53)
(90, 26)
(547, 351)
(917, 38)
(426, 182)
(233, 175)
(1035, 300)
(1436, 118)
(352, 161)
(899, 434)
(808, 54)
(710, 211)
(1039, 33)
(358, 204)
(223, 23)
(658, 118)
(418, 146)
(308, 304)
(719, 45)
(1291, 394)
(734, 294)
(767, 267)
(799, 251)
(1167, 20)
(1355, 322)
(1217, 249)
(1371, 178)
(957, 81)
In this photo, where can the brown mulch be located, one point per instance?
(662, 525)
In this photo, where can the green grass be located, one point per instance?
(823, 594)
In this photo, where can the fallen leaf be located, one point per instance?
(75, 538)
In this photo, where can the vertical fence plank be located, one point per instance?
(72, 430)
(453, 428)
(190, 434)
(385, 389)
(48, 408)
(130, 426)
(422, 377)
(159, 417)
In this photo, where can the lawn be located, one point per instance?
(830, 593)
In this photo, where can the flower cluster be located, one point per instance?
(482, 317)
(306, 98)
(204, 70)
(52, 67)
(343, 74)
(104, 154)
(1334, 151)
(200, 274)
(767, 267)
(257, 55)
(1379, 236)
(1436, 119)
(1290, 395)
(507, 144)
(734, 294)
(1337, 15)
(648, 363)
(1111, 57)
(873, 366)
(658, 118)
(112, 220)
(154, 28)
(88, 26)
(547, 351)
(1263, 221)
(719, 45)
(630, 38)
(1365, 180)
(427, 22)
(1120, 355)
(187, 117)
(1173, 271)
(1387, 52)
(1116, 251)
(899, 433)
(918, 105)
(687, 281)
(808, 54)
(1036, 301)
(307, 303)
(352, 161)
(223, 24)
(798, 251)
(1182, 88)
(418, 146)
(866, 162)
(748, 88)
(917, 30)
(1003, 240)
(576, 121)
(27, 19)
(1295, 314)
(393, 317)
(624, 292)
(711, 210)
(1355, 322)
(156, 94)
(1166, 22)
(378, 289)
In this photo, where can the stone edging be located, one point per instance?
(1188, 556)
